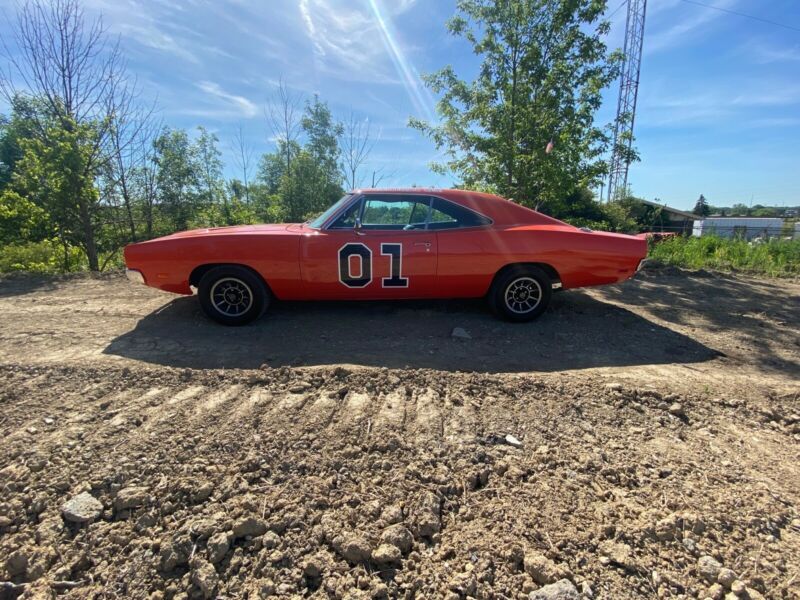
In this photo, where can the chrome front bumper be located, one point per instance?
(134, 276)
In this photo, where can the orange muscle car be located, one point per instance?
(388, 244)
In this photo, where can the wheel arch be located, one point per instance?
(199, 271)
(548, 269)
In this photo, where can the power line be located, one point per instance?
(741, 14)
(616, 10)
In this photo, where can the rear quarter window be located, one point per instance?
(448, 215)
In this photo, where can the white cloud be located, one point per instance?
(236, 105)
(358, 43)
(690, 19)
(739, 103)
(346, 41)
(763, 53)
(152, 37)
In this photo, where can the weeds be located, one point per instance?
(776, 257)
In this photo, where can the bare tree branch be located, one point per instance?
(283, 113)
(356, 147)
(243, 154)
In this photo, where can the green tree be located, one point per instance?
(77, 73)
(207, 160)
(701, 207)
(543, 68)
(21, 219)
(740, 210)
(308, 191)
(310, 180)
(19, 126)
(176, 178)
(272, 167)
(764, 211)
(320, 168)
(55, 174)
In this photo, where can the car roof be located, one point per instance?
(500, 210)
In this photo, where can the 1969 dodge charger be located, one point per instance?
(388, 244)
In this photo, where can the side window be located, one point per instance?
(394, 212)
(447, 215)
(347, 220)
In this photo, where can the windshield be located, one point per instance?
(320, 220)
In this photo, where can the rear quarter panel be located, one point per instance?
(469, 259)
(167, 263)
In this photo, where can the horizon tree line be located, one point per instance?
(86, 166)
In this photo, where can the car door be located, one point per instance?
(379, 247)
(469, 250)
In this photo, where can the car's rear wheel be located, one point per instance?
(521, 293)
(232, 295)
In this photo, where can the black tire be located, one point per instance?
(513, 295)
(233, 295)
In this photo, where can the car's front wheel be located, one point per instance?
(232, 295)
(521, 294)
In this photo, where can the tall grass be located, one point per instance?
(776, 257)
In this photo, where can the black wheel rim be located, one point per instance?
(231, 297)
(523, 295)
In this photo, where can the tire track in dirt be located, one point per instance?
(302, 463)
(428, 419)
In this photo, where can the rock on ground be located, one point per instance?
(131, 497)
(204, 577)
(249, 527)
(83, 508)
(460, 333)
(386, 554)
(541, 569)
(561, 590)
(708, 568)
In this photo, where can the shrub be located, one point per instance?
(775, 257)
(46, 256)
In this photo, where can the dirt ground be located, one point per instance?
(639, 440)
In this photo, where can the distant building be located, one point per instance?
(668, 219)
(746, 228)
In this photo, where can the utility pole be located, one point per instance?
(628, 92)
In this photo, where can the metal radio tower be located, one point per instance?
(628, 90)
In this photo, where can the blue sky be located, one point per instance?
(719, 99)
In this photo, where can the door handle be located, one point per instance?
(426, 244)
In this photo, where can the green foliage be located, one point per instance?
(775, 257)
(56, 174)
(297, 182)
(20, 126)
(543, 67)
(44, 256)
(739, 210)
(177, 178)
(701, 207)
(21, 219)
(211, 186)
(764, 211)
(626, 215)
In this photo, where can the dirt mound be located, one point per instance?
(369, 483)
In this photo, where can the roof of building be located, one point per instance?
(683, 213)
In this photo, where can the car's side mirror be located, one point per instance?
(357, 226)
